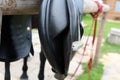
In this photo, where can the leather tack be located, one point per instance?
(15, 38)
(58, 32)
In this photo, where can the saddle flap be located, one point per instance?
(58, 22)
(57, 17)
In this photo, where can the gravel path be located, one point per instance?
(111, 66)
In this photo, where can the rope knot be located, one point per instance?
(100, 9)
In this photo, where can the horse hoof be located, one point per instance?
(59, 77)
(24, 77)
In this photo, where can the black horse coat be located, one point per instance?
(60, 25)
(15, 37)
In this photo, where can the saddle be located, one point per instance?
(16, 40)
(60, 26)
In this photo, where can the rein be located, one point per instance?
(95, 16)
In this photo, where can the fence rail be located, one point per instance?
(18, 7)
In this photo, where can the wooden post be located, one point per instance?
(31, 7)
(19, 7)
(99, 40)
(100, 34)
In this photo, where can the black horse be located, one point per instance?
(60, 25)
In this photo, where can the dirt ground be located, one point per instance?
(111, 62)
(33, 64)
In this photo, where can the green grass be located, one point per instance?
(110, 48)
(106, 48)
(95, 74)
(87, 19)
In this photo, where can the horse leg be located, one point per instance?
(24, 75)
(42, 65)
(7, 71)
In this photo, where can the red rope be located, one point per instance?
(95, 16)
(83, 53)
(84, 49)
(100, 9)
